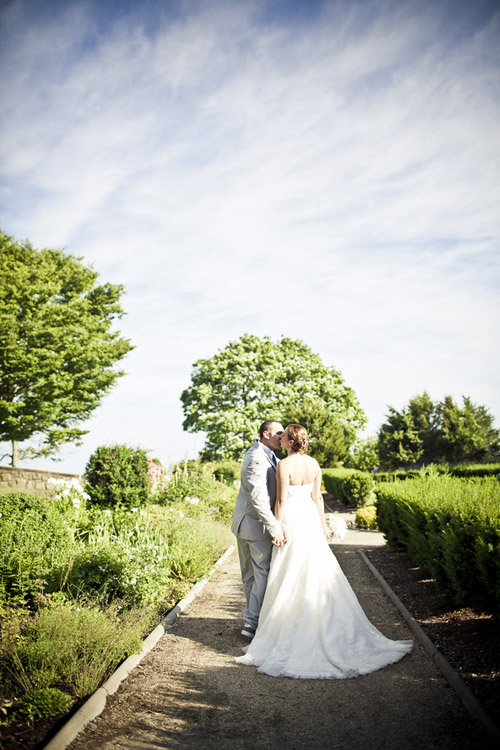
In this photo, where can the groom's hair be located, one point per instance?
(265, 427)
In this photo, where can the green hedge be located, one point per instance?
(457, 470)
(451, 529)
(349, 486)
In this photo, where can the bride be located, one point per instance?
(311, 624)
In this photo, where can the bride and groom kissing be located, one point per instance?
(302, 619)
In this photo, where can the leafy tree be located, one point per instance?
(57, 349)
(364, 455)
(426, 432)
(330, 437)
(253, 379)
(399, 440)
(465, 434)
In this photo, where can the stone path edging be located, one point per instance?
(467, 697)
(94, 705)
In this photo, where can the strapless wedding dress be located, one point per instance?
(311, 624)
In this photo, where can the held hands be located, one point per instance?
(279, 540)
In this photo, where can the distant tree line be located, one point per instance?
(426, 432)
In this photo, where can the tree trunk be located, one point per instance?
(14, 453)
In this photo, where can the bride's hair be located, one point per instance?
(298, 436)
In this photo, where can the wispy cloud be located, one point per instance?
(333, 178)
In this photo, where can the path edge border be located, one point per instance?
(95, 704)
(465, 694)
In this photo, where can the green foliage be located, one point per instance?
(464, 434)
(364, 455)
(34, 537)
(57, 349)
(96, 579)
(254, 379)
(366, 518)
(451, 528)
(44, 703)
(471, 470)
(330, 437)
(75, 645)
(382, 476)
(426, 432)
(349, 486)
(199, 489)
(458, 470)
(225, 471)
(117, 475)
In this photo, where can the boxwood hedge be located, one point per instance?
(451, 529)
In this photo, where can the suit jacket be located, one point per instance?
(253, 515)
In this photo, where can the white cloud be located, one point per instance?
(337, 183)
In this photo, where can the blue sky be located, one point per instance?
(329, 171)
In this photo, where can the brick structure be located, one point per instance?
(29, 480)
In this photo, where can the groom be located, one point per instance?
(254, 524)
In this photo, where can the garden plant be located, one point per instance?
(84, 576)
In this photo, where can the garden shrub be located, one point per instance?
(137, 575)
(44, 703)
(349, 486)
(226, 471)
(66, 644)
(366, 518)
(382, 476)
(470, 470)
(451, 529)
(117, 475)
(34, 538)
(203, 493)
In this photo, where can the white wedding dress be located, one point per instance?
(311, 624)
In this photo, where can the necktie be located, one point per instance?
(275, 462)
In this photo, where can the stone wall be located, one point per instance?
(29, 480)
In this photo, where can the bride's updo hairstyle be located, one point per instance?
(298, 437)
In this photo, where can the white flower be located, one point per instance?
(134, 510)
(192, 500)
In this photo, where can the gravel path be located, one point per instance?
(189, 693)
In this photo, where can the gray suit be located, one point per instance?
(254, 526)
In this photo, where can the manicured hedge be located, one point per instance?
(458, 470)
(451, 529)
(471, 470)
(349, 486)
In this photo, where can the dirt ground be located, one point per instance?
(189, 692)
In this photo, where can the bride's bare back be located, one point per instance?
(299, 469)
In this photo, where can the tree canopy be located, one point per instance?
(330, 437)
(57, 349)
(425, 432)
(253, 379)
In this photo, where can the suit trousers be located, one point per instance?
(255, 561)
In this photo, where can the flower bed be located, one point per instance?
(82, 584)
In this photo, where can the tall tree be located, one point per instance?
(364, 455)
(464, 434)
(426, 432)
(330, 437)
(253, 379)
(57, 349)
(399, 440)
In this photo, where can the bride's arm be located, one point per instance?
(283, 480)
(318, 501)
